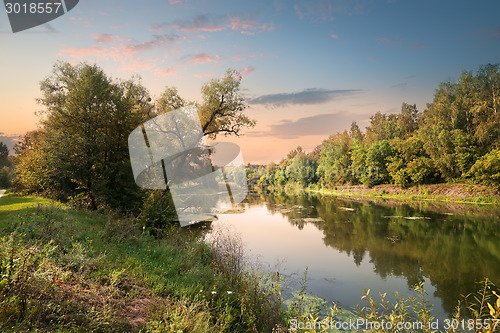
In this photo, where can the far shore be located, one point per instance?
(446, 193)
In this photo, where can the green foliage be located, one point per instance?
(301, 169)
(222, 108)
(415, 313)
(407, 119)
(413, 310)
(335, 164)
(158, 211)
(487, 168)
(6, 176)
(382, 127)
(81, 151)
(377, 156)
(462, 122)
(4, 155)
(409, 165)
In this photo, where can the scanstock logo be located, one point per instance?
(25, 14)
(170, 151)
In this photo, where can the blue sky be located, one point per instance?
(310, 66)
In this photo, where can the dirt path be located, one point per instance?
(2, 192)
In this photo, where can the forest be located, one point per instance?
(455, 139)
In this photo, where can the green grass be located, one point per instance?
(10, 202)
(73, 270)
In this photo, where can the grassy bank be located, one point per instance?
(72, 270)
(446, 193)
(67, 270)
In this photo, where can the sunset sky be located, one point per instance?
(310, 66)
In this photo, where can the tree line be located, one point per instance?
(456, 138)
(80, 152)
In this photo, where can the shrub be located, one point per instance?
(158, 211)
(487, 169)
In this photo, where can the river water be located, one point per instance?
(350, 245)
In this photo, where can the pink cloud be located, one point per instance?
(166, 71)
(205, 75)
(92, 51)
(248, 69)
(200, 58)
(124, 53)
(239, 23)
(249, 26)
(136, 65)
(158, 40)
(104, 39)
(334, 36)
(372, 59)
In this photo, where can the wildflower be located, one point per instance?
(34, 249)
(214, 292)
(229, 292)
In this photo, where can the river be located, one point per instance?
(350, 245)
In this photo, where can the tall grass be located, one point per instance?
(64, 269)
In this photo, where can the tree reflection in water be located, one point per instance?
(453, 246)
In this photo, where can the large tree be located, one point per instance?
(83, 151)
(221, 111)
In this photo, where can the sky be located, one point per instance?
(310, 67)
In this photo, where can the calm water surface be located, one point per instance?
(349, 245)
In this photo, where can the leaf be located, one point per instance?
(492, 310)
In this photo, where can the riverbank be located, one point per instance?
(445, 193)
(74, 270)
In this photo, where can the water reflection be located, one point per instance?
(452, 250)
(349, 245)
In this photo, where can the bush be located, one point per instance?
(158, 211)
(487, 169)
